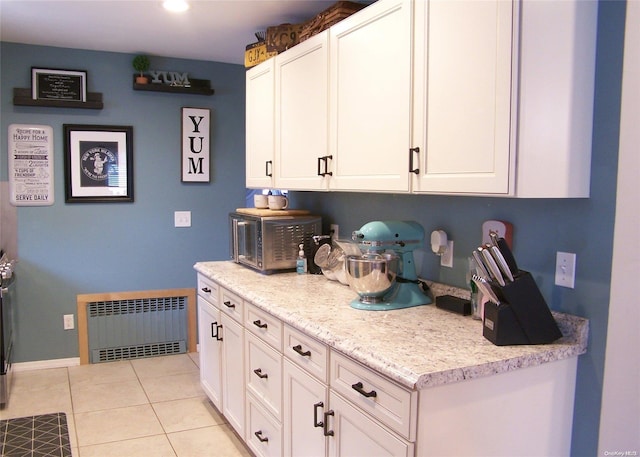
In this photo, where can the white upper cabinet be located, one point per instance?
(260, 125)
(301, 122)
(370, 98)
(556, 96)
(462, 96)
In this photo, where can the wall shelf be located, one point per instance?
(23, 97)
(198, 87)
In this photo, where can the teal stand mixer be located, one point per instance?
(385, 276)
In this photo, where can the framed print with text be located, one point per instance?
(98, 163)
(196, 144)
(59, 85)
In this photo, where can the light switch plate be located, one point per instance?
(182, 218)
(565, 269)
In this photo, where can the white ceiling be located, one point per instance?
(214, 30)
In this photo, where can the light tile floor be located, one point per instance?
(146, 407)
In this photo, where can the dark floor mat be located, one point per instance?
(46, 435)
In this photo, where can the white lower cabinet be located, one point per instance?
(353, 433)
(210, 351)
(233, 391)
(287, 394)
(305, 401)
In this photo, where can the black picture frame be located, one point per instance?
(59, 85)
(98, 163)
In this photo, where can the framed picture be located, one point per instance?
(61, 85)
(196, 139)
(98, 163)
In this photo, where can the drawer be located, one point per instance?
(264, 434)
(263, 373)
(264, 325)
(208, 289)
(392, 405)
(306, 352)
(231, 305)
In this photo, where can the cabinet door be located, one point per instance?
(260, 125)
(370, 95)
(305, 401)
(233, 373)
(355, 434)
(301, 122)
(462, 98)
(209, 334)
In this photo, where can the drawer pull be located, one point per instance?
(263, 439)
(259, 324)
(299, 350)
(206, 290)
(358, 388)
(325, 428)
(260, 374)
(228, 304)
(315, 415)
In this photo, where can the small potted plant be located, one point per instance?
(141, 64)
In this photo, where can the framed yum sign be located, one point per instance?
(196, 141)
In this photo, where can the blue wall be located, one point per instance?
(70, 249)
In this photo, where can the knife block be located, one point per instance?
(522, 317)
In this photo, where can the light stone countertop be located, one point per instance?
(417, 347)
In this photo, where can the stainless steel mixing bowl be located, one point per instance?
(371, 275)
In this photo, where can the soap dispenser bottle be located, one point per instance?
(301, 262)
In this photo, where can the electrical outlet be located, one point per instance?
(182, 218)
(335, 231)
(446, 259)
(565, 269)
(68, 322)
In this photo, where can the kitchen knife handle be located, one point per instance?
(508, 256)
(502, 264)
(493, 268)
(482, 271)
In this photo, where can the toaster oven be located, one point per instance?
(270, 243)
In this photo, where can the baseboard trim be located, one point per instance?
(44, 364)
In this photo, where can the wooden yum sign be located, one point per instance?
(196, 141)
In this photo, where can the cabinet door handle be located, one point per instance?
(268, 165)
(216, 334)
(260, 374)
(206, 290)
(324, 159)
(325, 428)
(299, 350)
(411, 169)
(259, 324)
(228, 304)
(315, 415)
(358, 388)
(263, 439)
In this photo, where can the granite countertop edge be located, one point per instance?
(572, 344)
